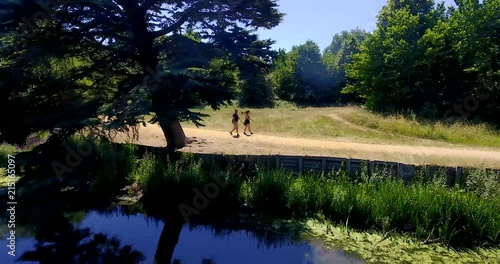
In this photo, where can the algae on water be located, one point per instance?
(375, 248)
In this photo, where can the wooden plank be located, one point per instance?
(390, 168)
(312, 163)
(335, 164)
(431, 170)
(458, 176)
(264, 161)
(348, 165)
(354, 166)
(378, 165)
(288, 160)
(451, 173)
(371, 167)
(292, 165)
(314, 166)
(407, 172)
(399, 170)
(313, 160)
(289, 164)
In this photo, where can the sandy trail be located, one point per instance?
(340, 119)
(210, 141)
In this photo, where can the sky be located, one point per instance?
(320, 20)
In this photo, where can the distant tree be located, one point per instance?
(300, 75)
(385, 71)
(256, 92)
(338, 55)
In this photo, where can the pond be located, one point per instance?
(131, 238)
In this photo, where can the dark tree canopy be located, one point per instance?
(130, 58)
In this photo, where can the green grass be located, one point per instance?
(288, 121)
(456, 133)
(5, 151)
(316, 123)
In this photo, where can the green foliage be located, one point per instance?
(486, 184)
(306, 76)
(431, 60)
(5, 150)
(300, 75)
(338, 55)
(154, 174)
(105, 169)
(256, 92)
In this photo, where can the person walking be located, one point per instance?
(247, 123)
(235, 120)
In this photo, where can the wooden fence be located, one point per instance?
(301, 164)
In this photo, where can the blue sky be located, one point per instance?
(319, 20)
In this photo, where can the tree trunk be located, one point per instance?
(174, 134)
(168, 240)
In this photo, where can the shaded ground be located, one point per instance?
(210, 141)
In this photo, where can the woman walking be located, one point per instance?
(247, 123)
(235, 120)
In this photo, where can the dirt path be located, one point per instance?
(210, 141)
(340, 119)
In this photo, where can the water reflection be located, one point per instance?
(116, 237)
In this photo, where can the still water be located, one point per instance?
(138, 239)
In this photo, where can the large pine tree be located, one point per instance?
(132, 57)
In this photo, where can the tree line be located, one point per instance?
(435, 61)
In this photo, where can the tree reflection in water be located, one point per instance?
(173, 226)
(58, 241)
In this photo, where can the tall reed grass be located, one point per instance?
(429, 210)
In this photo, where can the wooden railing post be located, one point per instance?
(348, 166)
(400, 171)
(458, 175)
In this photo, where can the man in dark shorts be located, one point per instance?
(235, 120)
